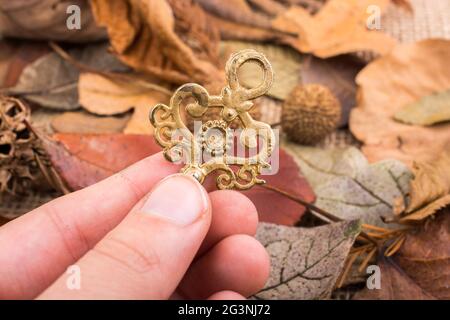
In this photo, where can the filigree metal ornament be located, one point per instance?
(215, 137)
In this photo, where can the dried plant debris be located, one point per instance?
(347, 186)
(429, 190)
(339, 27)
(421, 268)
(310, 113)
(305, 262)
(47, 19)
(19, 167)
(103, 96)
(170, 39)
(285, 61)
(427, 111)
(389, 84)
(52, 81)
(83, 122)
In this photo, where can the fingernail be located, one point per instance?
(178, 198)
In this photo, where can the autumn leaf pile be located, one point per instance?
(375, 188)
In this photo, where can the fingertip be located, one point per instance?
(232, 213)
(226, 295)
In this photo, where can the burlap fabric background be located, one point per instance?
(430, 19)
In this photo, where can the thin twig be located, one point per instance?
(313, 208)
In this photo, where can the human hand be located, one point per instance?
(136, 235)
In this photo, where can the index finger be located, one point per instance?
(37, 247)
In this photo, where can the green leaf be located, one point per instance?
(427, 111)
(347, 186)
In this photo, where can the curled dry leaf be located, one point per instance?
(286, 64)
(47, 19)
(430, 188)
(386, 85)
(428, 110)
(83, 122)
(143, 35)
(421, 268)
(52, 81)
(339, 27)
(347, 186)
(305, 262)
(103, 96)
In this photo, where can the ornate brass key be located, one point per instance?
(215, 138)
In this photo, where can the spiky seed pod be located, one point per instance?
(18, 166)
(310, 113)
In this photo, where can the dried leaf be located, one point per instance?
(23, 54)
(348, 187)
(430, 188)
(83, 122)
(143, 35)
(234, 31)
(82, 160)
(305, 262)
(421, 268)
(275, 208)
(428, 110)
(103, 96)
(337, 74)
(236, 11)
(52, 82)
(396, 285)
(339, 27)
(47, 19)
(408, 73)
(286, 65)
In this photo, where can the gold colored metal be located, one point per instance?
(180, 144)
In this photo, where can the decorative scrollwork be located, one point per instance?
(180, 144)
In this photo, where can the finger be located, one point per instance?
(147, 254)
(37, 247)
(238, 263)
(232, 213)
(226, 295)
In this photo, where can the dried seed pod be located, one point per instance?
(18, 145)
(310, 113)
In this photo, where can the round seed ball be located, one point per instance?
(310, 113)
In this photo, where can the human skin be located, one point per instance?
(143, 233)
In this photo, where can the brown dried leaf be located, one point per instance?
(143, 35)
(236, 11)
(408, 73)
(234, 31)
(421, 268)
(51, 81)
(83, 122)
(430, 188)
(306, 262)
(46, 19)
(338, 28)
(103, 96)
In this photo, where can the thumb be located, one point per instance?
(148, 253)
